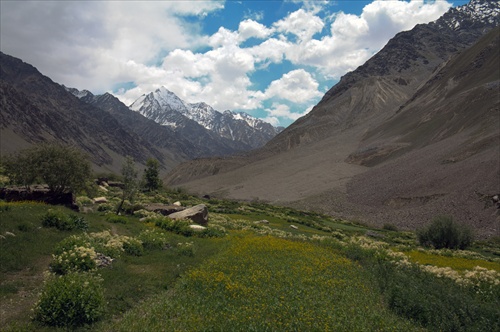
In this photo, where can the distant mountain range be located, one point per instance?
(166, 108)
(35, 109)
(411, 134)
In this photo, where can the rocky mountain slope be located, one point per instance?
(411, 134)
(187, 140)
(35, 109)
(166, 108)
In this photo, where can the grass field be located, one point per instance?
(321, 275)
(262, 283)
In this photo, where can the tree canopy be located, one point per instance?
(152, 179)
(62, 168)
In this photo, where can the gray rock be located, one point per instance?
(103, 260)
(163, 209)
(198, 214)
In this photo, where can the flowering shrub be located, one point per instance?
(70, 300)
(74, 260)
(177, 226)
(143, 213)
(105, 207)
(101, 242)
(152, 239)
(81, 240)
(106, 243)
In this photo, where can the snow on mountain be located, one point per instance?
(161, 106)
(166, 108)
(77, 93)
(475, 12)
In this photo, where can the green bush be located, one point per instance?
(62, 221)
(113, 218)
(176, 226)
(71, 300)
(57, 219)
(78, 222)
(212, 232)
(105, 207)
(438, 304)
(153, 240)
(62, 168)
(70, 242)
(77, 259)
(443, 232)
(133, 247)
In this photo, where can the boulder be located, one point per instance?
(294, 227)
(163, 209)
(177, 204)
(100, 200)
(198, 214)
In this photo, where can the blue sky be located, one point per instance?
(271, 59)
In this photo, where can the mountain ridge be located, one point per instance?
(35, 109)
(166, 108)
(362, 140)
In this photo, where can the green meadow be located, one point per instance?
(250, 270)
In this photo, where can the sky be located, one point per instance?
(271, 59)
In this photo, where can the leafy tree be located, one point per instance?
(62, 168)
(130, 184)
(151, 176)
(444, 232)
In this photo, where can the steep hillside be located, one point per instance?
(373, 92)
(407, 136)
(188, 143)
(35, 109)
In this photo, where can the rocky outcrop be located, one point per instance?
(198, 214)
(163, 209)
(38, 194)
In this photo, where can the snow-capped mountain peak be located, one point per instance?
(166, 108)
(475, 12)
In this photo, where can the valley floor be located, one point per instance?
(255, 268)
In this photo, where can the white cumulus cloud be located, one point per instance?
(297, 86)
(301, 23)
(100, 45)
(250, 28)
